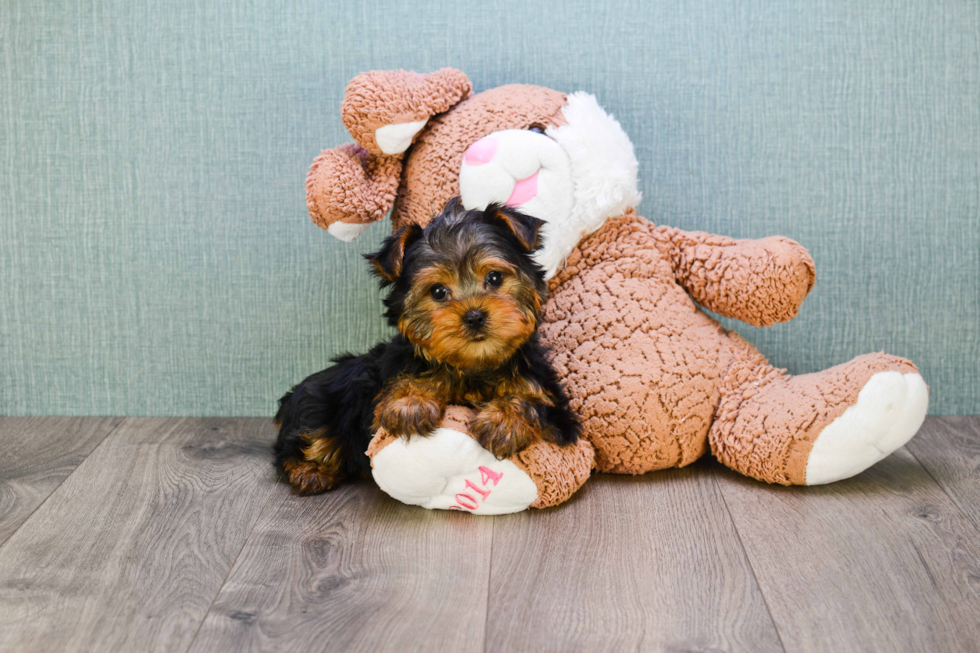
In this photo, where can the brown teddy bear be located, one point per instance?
(655, 380)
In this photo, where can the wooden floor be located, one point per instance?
(174, 535)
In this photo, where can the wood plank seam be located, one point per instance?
(748, 560)
(486, 613)
(122, 420)
(911, 533)
(632, 563)
(952, 499)
(162, 507)
(248, 537)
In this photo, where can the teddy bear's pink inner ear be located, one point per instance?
(385, 109)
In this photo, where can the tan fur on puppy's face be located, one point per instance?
(437, 327)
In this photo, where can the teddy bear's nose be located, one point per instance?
(481, 152)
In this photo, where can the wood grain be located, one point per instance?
(352, 570)
(36, 455)
(630, 563)
(881, 562)
(949, 449)
(159, 541)
(129, 552)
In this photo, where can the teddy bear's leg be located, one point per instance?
(449, 470)
(815, 428)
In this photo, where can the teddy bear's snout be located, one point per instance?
(483, 151)
(520, 168)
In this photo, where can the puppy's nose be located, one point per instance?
(475, 318)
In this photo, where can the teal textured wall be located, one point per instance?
(155, 253)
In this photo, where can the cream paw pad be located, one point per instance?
(889, 410)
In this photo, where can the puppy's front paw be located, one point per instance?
(408, 415)
(505, 427)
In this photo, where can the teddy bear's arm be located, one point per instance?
(760, 282)
(350, 186)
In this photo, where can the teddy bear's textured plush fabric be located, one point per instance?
(431, 175)
(357, 183)
(353, 185)
(383, 98)
(656, 381)
(349, 185)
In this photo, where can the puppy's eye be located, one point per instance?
(439, 292)
(537, 129)
(494, 279)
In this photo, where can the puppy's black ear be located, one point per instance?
(525, 228)
(389, 260)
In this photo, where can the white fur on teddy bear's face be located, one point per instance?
(586, 173)
(522, 169)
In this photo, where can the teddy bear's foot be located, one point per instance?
(815, 428)
(889, 410)
(449, 470)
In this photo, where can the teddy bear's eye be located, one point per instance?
(537, 129)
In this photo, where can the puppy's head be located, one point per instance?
(464, 290)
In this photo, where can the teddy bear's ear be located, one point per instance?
(384, 109)
(348, 188)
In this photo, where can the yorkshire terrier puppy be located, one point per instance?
(465, 295)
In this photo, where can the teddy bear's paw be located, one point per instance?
(889, 410)
(396, 138)
(449, 470)
(347, 231)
